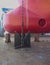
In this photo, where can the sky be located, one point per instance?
(9, 3)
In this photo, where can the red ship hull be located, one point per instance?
(36, 17)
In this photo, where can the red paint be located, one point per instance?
(36, 11)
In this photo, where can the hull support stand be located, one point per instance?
(24, 43)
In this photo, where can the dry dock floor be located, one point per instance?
(23, 56)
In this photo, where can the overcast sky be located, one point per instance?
(9, 3)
